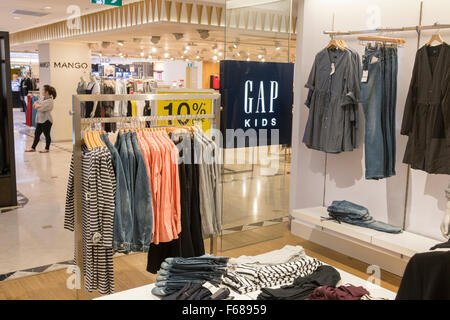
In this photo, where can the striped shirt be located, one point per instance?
(250, 277)
(98, 204)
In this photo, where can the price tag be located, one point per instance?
(365, 76)
(186, 107)
(211, 287)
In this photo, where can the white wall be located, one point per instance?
(64, 80)
(176, 70)
(316, 178)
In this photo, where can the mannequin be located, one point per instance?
(93, 87)
(445, 225)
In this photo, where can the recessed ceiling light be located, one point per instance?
(182, 57)
(47, 8)
(220, 54)
(248, 59)
(142, 53)
(197, 57)
(171, 58)
(149, 57)
(260, 56)
(100, 54)
(215, 58)
(188, 47)
(166, 55)
(263, 60)
(153, 49)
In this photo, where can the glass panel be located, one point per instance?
(254, 195)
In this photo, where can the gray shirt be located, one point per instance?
(44, 112)
(333, 101)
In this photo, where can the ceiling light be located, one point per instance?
(166, 55)
(204, 34)
(178, 36)
(220, 54)
(120, 43)
(100, 54)
(185, 51)
(47, 8)
(215, 58)
(182, 57)
(248, 59)
(263, 60)
(171, 59)
(153, 49)
(149, 57)
(260, 56)
(197, 57)
(17, 18)
(142, 53)
(238, 54)
(236, 43)
(188, 47)
(277, 46)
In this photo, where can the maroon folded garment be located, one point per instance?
(348, 292)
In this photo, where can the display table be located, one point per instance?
(144, 292)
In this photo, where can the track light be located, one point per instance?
(236, 43)
(277, 46)
(204, 34)
(178, 35)
(155, 39)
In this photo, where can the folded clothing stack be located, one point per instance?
(198, 291)
(352, 213)
(175, 273)
(251, 277)
(303, 286)
(348, 292)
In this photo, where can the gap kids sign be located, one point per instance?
(257, 97)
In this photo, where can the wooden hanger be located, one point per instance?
(435, 37)
(336, 44)
(382, 39)
(87, 141)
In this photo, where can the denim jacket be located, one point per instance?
(123, 218)
(143, 212)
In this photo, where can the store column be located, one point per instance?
(61, 65)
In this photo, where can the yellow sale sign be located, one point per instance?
(185, 107)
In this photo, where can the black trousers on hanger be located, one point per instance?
(45, 128)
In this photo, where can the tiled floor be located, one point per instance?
(33, 238)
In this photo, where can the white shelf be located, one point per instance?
(405, 243)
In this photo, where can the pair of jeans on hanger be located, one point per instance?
(379, 98)
(352, 213)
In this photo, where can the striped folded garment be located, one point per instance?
(251, 277)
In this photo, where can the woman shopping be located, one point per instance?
(44, 118)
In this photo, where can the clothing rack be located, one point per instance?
(77, 143)
(419, 28)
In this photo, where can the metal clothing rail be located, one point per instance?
(418, 28)
(77, 142)
(445, 226)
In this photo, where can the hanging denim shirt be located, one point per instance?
(143, 213)
(123, 218)
(131, 168)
